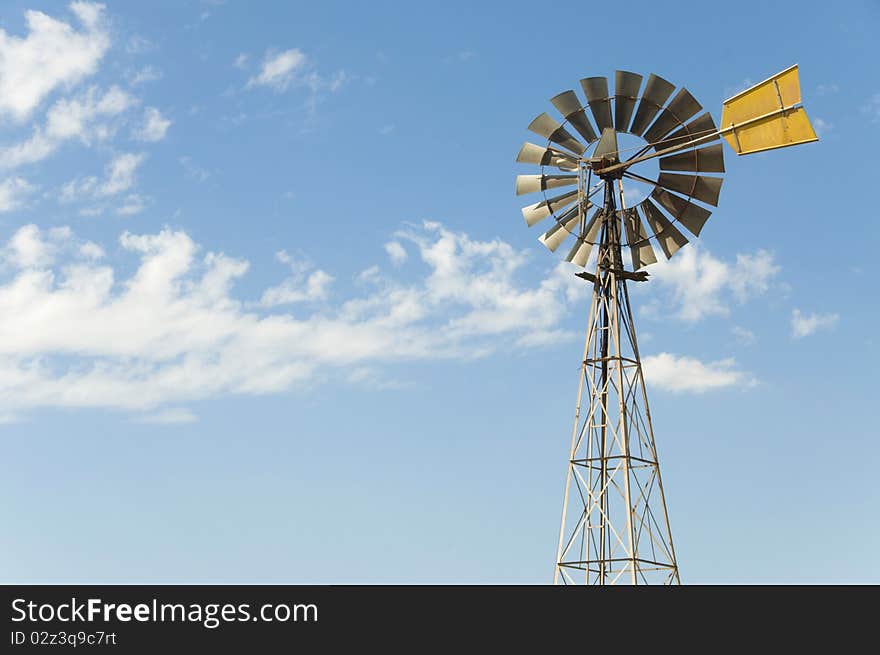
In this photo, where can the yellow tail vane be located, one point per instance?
(766, 116)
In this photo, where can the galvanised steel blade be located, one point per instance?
(596, 90)
(704, 189)
(547, 127)
(667, 235)
(692, 216)
(678, 112)
(657, 91)
(569, 105)
(626, 93)
(533, 183)
(700, 160)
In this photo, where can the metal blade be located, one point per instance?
(533, 183)
(596, 90)
(639, 245)
(701, 160)
(705, 189)
(583, 245)
(657, 90)
(626, 92)
(692, 216)
(567, 224)
(607, 146)
(532, 154)
(677, 112)
(667, 235)
(541, 210)
(569, 105)
(700, 127)
(550, 129)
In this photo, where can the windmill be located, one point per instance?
(615, 525)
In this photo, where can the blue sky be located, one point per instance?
(269, 311)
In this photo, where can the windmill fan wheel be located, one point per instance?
(579, 153)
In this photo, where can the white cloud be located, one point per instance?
(26, 248)
(396, 252)
(680, 373)
(31, 248)
(119, 176)
(279, 69)
(133, 203)
(744, 335)
(138, 45)
(301, 286)
(145, 74)
(803, 325)
(84, 335)
(13, 191)
(71, 118)
(90, 250)
(154, 126)
(282, 70)
(319, 84)
(52, 54)
(702, 285)
(738, 88)
(83, 117)
(170, 416)
(241, 61)
(332, 83)
(822, 127)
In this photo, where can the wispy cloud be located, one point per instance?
(679, 373)
(303, 284)
(827, 89)
(822, 127)
(396, 252)
(738, 88)
(291, 68)
(133, 203)
(803, 325)
(279, 69)
(170, 416)
(144, 75)
(119, 176)
(13, 193)
(696, 284)
(743, 335)
(138, 45)
(85, 117)
(153, 127)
